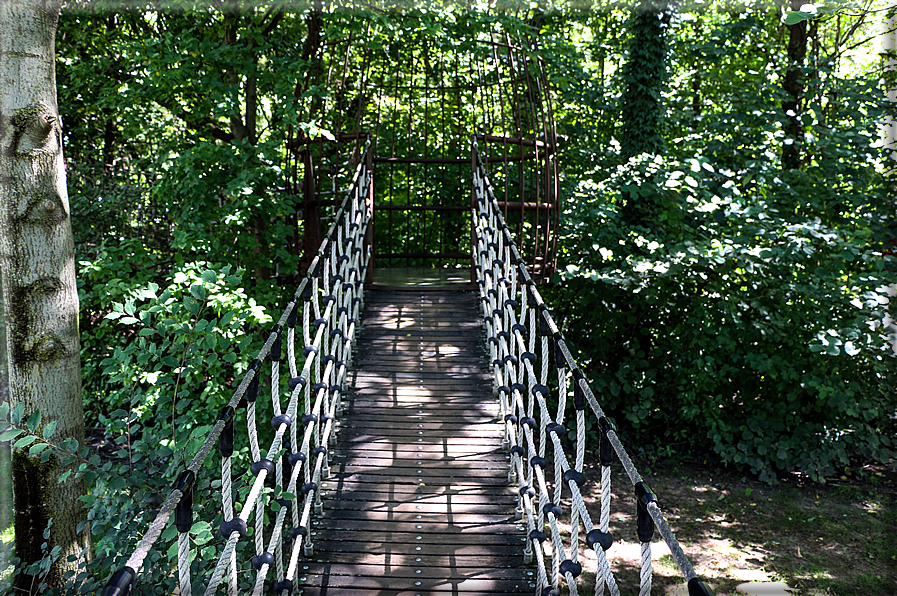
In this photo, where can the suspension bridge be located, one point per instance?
(421, 442)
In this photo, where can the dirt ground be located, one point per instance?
(834, 538)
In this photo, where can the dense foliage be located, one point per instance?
(721, 303)
(744, 312)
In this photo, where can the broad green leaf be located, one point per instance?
(11, 434)
(49, 429)
(34, 421)
(24, 442)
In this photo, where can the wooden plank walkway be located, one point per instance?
(418, 500)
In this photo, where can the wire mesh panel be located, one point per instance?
(419, 87)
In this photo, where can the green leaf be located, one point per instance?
(202, 532)
(11, 434)
(795, 16)
(198, 292)
(128, 320)
(209, 276)
(37, 448)
(34, 421)
(18, 413)
(24, 442)
(50, 429)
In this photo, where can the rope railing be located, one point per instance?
(286, 476)
(516, 320)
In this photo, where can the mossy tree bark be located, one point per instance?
(39, 292)
(793, 84)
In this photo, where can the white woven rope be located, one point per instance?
(509, 299)
(326, 305)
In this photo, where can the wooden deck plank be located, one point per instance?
(418, 500)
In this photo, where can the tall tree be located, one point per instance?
(39, 292)
(645, 75)
(793, 83)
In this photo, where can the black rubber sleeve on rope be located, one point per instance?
(538, 535)
(276, 421)
(297, 381)
(338, 277)
(183, 513)
(553, 509)
(531, 300)
(262, 559)
(530, 422)
(544, 328)
(252, 392)
(502, 334)
(559, 360)
(295, 458)
(539, 388)
(318, 322)
(277, 346)
(283, 586)
(603, 539)
(513, 304)
(605, 450)
(504, 389)
(306, 291)
(511, 418)
(518, 387)
(512, 359)
(576, 476)
(328, 358)
(294, 313)
(537, 462)
(571, 567)
(527, 490)
(120, 583)
(300, 531)
(579, 395)
(229, 527)
(698, 588)
(518, 450)
(328, 299)
(308, 419)
(319, 450)
(528, 356)
(262, 464)
(309, 349)
(226, 438)
(322, 386)
(517, 326)
(309, 487)
(556, 429)
(549, 591)
(644, 524)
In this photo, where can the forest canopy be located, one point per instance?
(726, 263)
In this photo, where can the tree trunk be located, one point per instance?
(889, 57)
(793, 84)
(642, 111)
(39, 292)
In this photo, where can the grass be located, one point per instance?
(833, 538)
